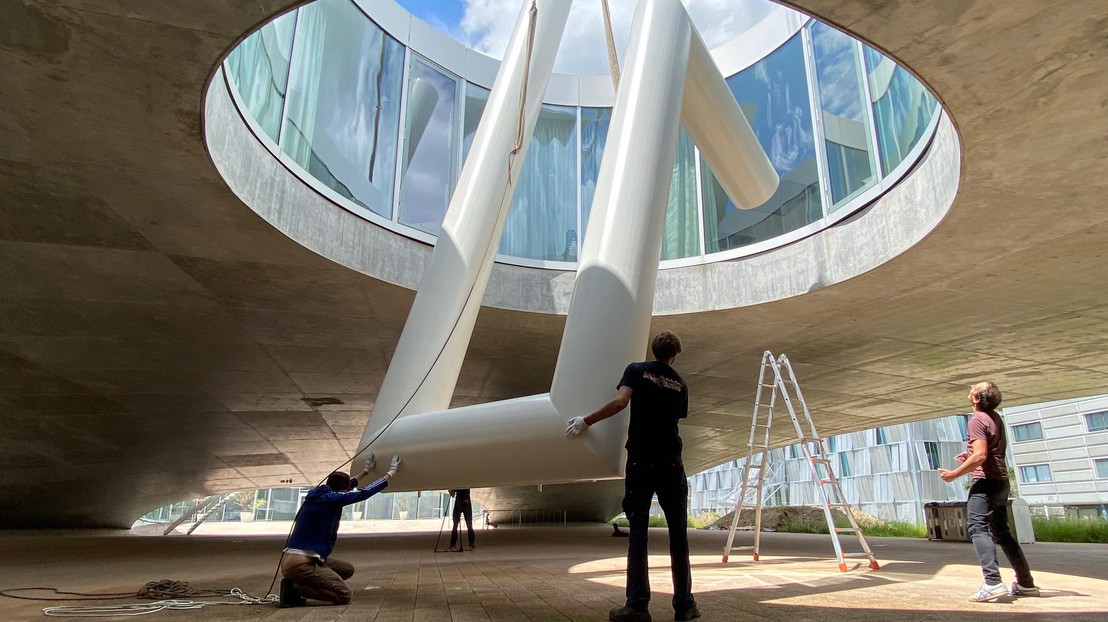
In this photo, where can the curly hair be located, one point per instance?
(665, 346)
(988, 395)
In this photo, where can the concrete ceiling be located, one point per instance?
(158, 340)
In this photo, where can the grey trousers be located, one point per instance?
(323, 582)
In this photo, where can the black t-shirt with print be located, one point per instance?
(659, 398)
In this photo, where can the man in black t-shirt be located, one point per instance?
(659, 398)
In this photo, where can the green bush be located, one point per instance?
(701, 521)
(1070, 529)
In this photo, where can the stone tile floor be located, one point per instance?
(553, 573)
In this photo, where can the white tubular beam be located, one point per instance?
(424, 369)
(609, 315)
(507, 443)
(720, 130)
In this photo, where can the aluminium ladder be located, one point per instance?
(827, 485)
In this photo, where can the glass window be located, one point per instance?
(476, 100)
(343, 112)
(1097, 421)
(1035, 473)
(594, 134)
(846, 129)
(932, 450)
(427, 178)
(542, 223)
(844, 466)
(881, 438)
(1102, 467)
(774, 96)
(901, 105)
(1027, 432)
(259, 67)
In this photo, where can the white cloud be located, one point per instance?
(487, 25)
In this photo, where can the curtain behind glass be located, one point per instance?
(427, 178)
(259, 66)
(901, 106)
(681, 237)
(542, 222)
(594, 134)
(682, 229)
(343, 111)
(846, 130)
(774, 96)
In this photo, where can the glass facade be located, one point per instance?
(260, 68)
(542, 222)
(388, 130)
(429, 167)
(902, 108)
(343, 110)
(774, 96)
(842, 101)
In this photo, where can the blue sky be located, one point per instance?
(436, 12)
(486, 25)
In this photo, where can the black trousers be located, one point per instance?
(462, 508)
(666, 478)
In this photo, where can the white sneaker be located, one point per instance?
(989, 592)
(1020, 590)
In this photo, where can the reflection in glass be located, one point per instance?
(427, 177)
(594, 134)
(343, 112)
(542, 222)
(476, 100)
(845, 121)
(774, 96)
(901, 105)
(682, 226)
(259, 67)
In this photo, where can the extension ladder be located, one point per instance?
(830, 493)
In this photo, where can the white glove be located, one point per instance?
(370, 462)
(394, 466)
(576, 427)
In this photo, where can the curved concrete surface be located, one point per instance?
(159, 340)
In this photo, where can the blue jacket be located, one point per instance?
(317, 527)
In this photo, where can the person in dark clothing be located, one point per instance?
(462, 507)
(659, 398)
(308, 569)
(987, 506)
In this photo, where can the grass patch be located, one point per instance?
(1070, 529)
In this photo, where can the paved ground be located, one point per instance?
(554, 573)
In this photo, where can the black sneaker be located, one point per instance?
(691, 613)
(290, 596)
(628, 614)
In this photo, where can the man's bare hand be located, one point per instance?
(948, 476)
(962, 456)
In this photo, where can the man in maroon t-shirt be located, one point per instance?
(987, 506)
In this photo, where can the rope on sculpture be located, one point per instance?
(613, 60)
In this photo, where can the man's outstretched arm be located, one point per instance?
(578, 425)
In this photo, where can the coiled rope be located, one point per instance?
(166, 594)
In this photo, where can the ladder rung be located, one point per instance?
(845, 529)
(857, 555)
